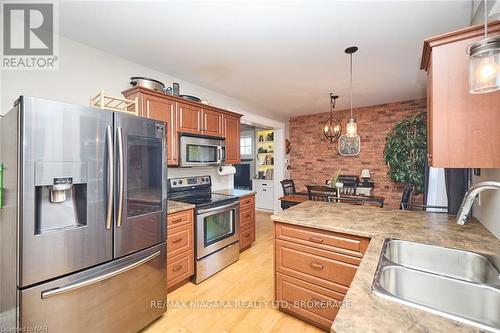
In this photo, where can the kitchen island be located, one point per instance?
(362, 310)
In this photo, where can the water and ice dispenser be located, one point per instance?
(60, 195)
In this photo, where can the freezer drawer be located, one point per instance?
(120, 296)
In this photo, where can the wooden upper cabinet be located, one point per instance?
(232, 135)
(164, 110)
(153, 105)
(462, 127)
(189, 119)
(212, 123)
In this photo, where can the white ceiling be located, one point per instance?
(282, 57)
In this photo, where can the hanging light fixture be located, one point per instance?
(333, 127)
(484, 61)
(352, 126)
(350, 143)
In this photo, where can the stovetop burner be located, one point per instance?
(207, 200)
(197, 191)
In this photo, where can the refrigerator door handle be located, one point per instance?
(121, 166)
(60, 290)
(111, 177)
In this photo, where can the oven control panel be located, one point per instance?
(189, 181)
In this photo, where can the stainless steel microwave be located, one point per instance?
(201, 151)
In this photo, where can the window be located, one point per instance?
(246, 148)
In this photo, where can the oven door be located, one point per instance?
(201, 151)
(217, 228)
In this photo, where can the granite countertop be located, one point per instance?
(364, 311)
(176, 206)
(235, 192)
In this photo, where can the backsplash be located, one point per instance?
(489, 211)
(218, 182)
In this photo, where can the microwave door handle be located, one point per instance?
(121, 180)
(111, 177)
(219, 154)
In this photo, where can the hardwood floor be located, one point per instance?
(248, 280)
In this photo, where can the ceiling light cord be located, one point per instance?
(350, 92)
(485, 18)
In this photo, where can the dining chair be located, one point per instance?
(288, 186)
(406, 201)
(353, 201)
(321, 192)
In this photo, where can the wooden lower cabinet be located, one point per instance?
(247, 222)
(307, 301)
(313, 271)
(180, 248)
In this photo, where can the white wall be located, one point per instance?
(489, 210)
(84, 71)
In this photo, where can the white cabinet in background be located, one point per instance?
(264, 196)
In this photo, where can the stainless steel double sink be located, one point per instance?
(460, 285)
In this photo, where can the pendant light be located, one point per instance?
(352, 126)
(333, 127)
(350, 143)
(484, 61)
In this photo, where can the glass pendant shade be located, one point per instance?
(352, 128)
(484, 66)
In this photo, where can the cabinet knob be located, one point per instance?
(177, 240)
(316, 265)
(316, 239)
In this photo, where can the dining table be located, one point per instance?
(290, 200)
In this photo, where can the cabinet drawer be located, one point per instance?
(180, 239)
(247, 201)
(328, 269)
(247, 216)
(347, 244)
(315, 304)
(180, 218)
(247, 236)
(179, 268)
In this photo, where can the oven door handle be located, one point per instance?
(225, 207)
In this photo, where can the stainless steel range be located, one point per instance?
(217, 224)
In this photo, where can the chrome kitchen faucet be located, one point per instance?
(469, 197)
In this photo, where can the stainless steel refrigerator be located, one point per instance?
(83, 225)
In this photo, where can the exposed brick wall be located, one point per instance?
(312, 155)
